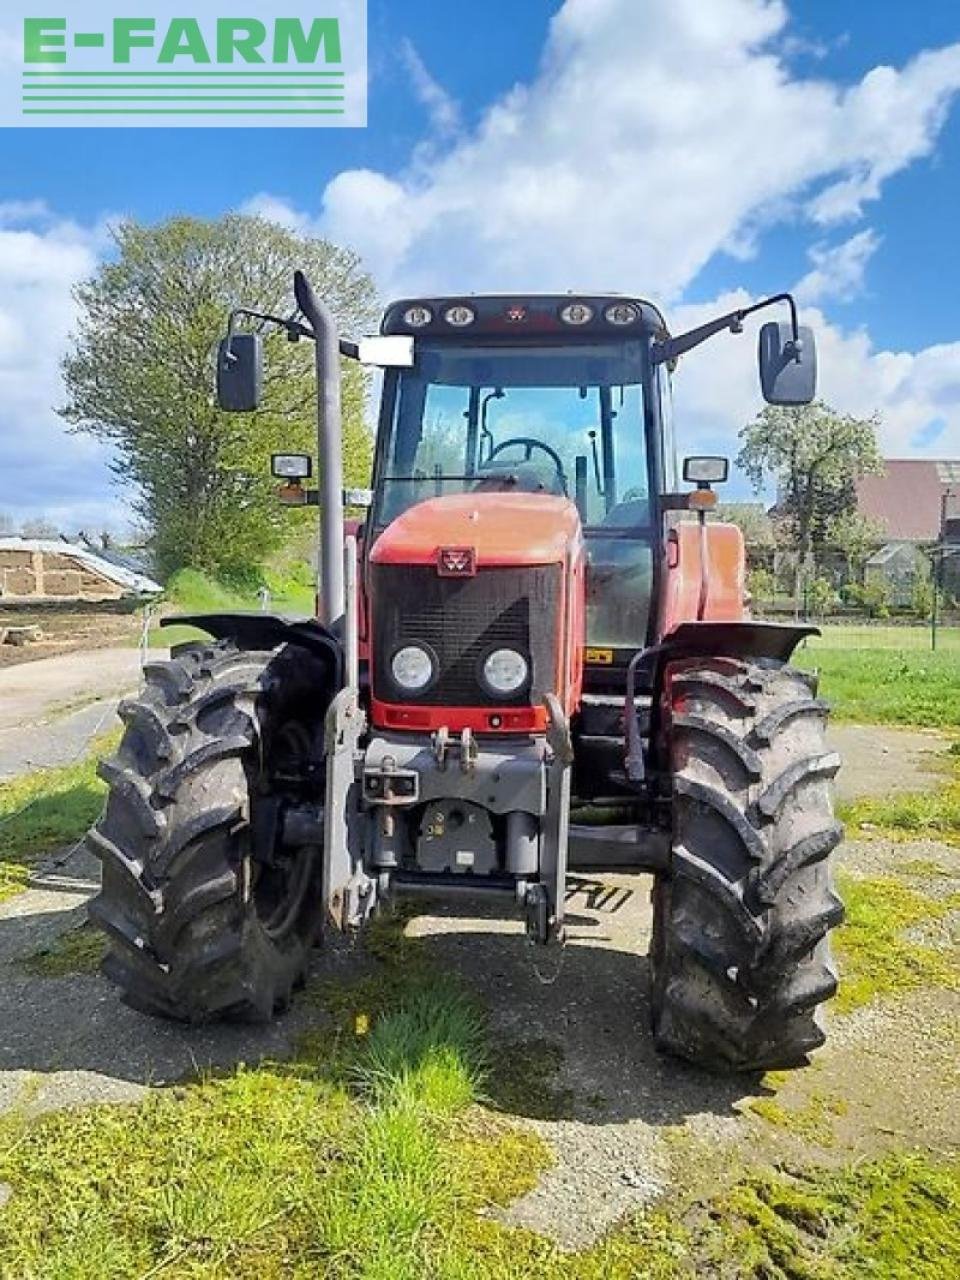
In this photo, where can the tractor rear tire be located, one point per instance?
(740, 958)
(198, 928)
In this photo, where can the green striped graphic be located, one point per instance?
(182, 111)
(264, 74)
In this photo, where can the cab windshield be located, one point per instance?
(568, 421)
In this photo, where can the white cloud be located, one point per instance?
(43, 468)
(442, 109)
(717, 388)
(647, 143)
(641, 148)
(838, 270)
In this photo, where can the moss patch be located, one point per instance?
(927, 813)
(77, 951)
(523, 1080)
(812, 1121)
(893, 1218)
(876, 956)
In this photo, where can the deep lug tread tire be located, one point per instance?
(185, 938)
(740, 960)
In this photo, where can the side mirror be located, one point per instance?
(788, 369)
(240, 373)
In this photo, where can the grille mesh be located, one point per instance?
(462, 620)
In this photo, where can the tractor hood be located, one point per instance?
(498, 528)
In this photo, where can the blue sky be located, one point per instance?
(698, 153)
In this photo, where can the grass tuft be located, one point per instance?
(927, 813)
(47, 810)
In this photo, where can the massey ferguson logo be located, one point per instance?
(456, 562)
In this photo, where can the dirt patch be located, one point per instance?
(881, 761)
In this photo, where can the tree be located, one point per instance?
(813, 454)
(6, 524)
(752, 521)
(856, 536)
(141, 378)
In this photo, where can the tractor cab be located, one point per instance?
(545, 395)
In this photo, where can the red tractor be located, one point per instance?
(532, 625)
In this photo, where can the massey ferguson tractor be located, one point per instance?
(532, 658)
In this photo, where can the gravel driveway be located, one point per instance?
(50, 709)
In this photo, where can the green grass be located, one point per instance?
(190, 591)
(878, 686)
(877, 957)
(367, 1157)
(933, 813)
(47, 810)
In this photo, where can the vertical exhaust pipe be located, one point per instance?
(329, 450)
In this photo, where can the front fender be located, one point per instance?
(266, 631)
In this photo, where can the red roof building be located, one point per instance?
(907, 498)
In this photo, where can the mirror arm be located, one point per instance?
(295, 330)
(671, 348)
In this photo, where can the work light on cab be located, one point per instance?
(622, 314)
(576, 313)
(460, 316)
(417, 317)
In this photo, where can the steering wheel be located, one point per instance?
(529, 444)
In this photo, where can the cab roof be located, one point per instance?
(531, 317)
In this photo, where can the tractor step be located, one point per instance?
(614, 847)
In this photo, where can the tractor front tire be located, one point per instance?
(198, 928)
(740, 958)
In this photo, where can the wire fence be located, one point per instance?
(868, 634)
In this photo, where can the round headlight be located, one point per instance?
(576, 313)
(460, 316)
(412, 668)
(505, 672)
(417, 317)
(622, 313)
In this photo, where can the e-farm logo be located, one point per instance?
(224, 64)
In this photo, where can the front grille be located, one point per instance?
(462, 620)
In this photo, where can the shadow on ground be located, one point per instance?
(571, 1025)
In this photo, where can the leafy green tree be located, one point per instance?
(141, 376)
(821, 596)
(813, 454)
(855, 536)
(761, 585)
(752, 521)
(921, 596)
